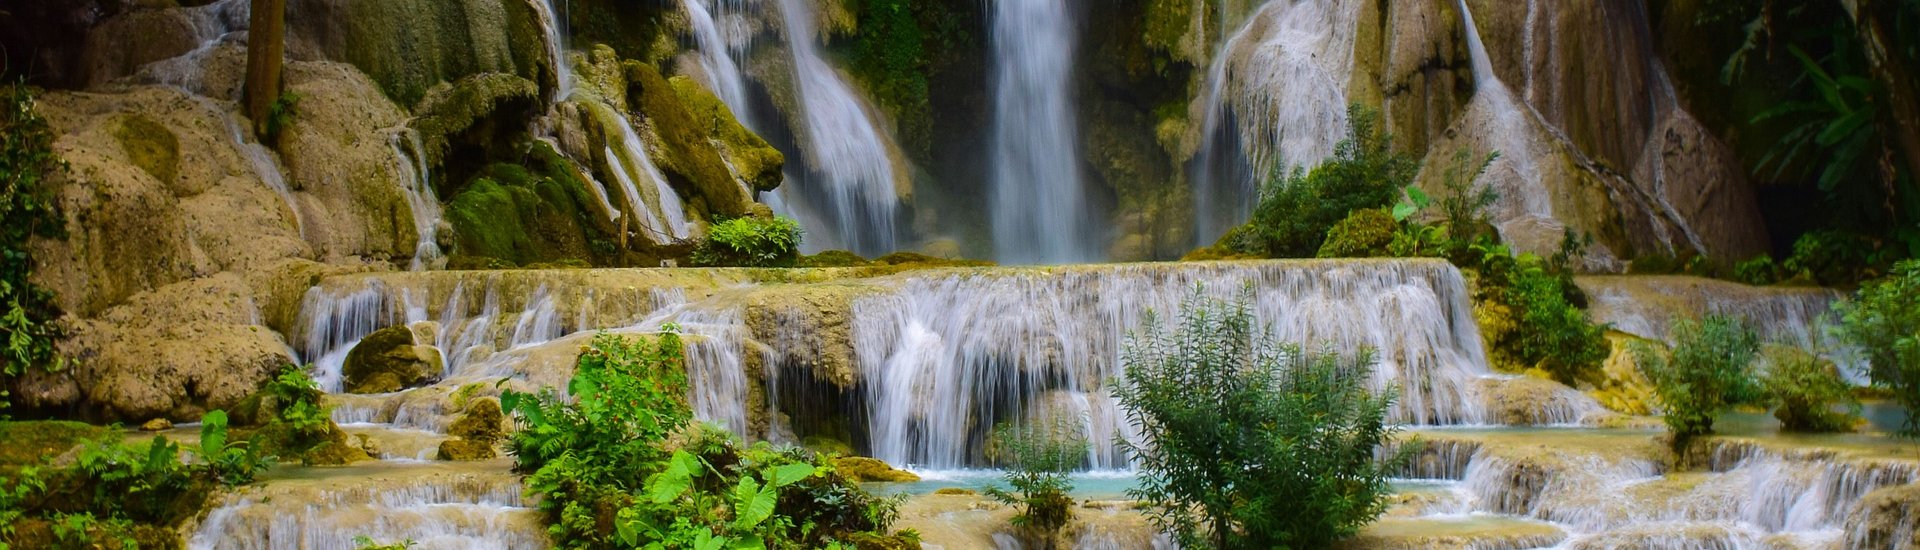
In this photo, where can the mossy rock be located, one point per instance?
(388, 361)
(33, 441)
(477, 110)
(687, 154)
(40, 533)
(833, 258)
(481, 422)
(334, 447)
(956, 491)
(862, 469)
(465, 450)
(1363, 234)
(409, 46)
(827, 445)
(150, 146)
(513, 215)
(754, 161)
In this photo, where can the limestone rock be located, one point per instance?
(862, 469)
(409, 46)
(1886, 518)
(388, 361)
(156, 425)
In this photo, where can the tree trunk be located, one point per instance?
(1872, 20)
(266, 48)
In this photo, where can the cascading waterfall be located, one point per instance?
(716, 59)
(421, 200)
(853, 184)
(945, 358)
(1040, 205)
(1282, 78)
(432, 506)
(1512, 125)
(663, 218)
(553, 24)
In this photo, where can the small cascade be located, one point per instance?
(213, 25)
(946, 358)
(259, 158)
(1282, 79)
(1513, 130)
(716, 59)
(1041, 213)
(661, 213)
(853, 183)
(437, 506)
(553, 25)
(421, 199)
(1647, 307)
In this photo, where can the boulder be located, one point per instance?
(388, 361)
(1886, 518)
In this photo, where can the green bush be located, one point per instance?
(1830, 258)
(1883, 320)
(1038, 459)
(229, 462)
(750, 242)
(1759, 271)
(1708, 370)
(1366, 233)
(27, 210)
(1804, 389)
(1249, 444)
(364, 542)
(623, 464)
(1552, 331)
(1297, 207)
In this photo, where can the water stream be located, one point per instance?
(1041, 213)
(853, 185)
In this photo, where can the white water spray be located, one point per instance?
(1040, 206)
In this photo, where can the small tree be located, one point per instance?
(1706, 372)
(1038, 459)
(1883, 321)
(1252, 444)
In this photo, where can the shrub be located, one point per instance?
(750, 242)
(1297, 207)
(1805, 388)
(1038, 460)
(27, 311)
(623, 464)
(1883, 321)
(229, 462)
(1706, 372)
(1463, 206)
(1249, 444)
(1364, 234)
(1759, 271)
(1551, 332)
(1830, 257)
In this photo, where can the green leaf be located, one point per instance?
(213, 434)
(670, 484)
(752, 503)
(1403, 211)
(790, 474)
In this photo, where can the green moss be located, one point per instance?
(150, 146)
(410, 46)
(753, 159)
(864, 469)
(532, 213)
(1166, 24)
(30, 442)
(833, 258)
(827, 445)
(388, 361)
(689, 159)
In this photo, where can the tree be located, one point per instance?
(266, 50)
(1249, 443)
(1882, 320)
(1705, 373)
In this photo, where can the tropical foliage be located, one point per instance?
(623, 464)
(1298, 206)
(1038, 459)
(750, 242)
(1707, 371)
(27, 210)
(1882, 320)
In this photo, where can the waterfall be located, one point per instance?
(664, 218)
(716, 60)
(1282, 78)
(1514, 131)
(436, 506)
(1040, 205)
(259, 158)
(554, 27)
(417, 184)
(853, 180)
(945, 358)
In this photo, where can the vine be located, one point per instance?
(27, 210)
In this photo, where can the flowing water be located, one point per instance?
(417, 183)
(1041, 213)
(853, 184)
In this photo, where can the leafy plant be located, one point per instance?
(1550, 330)
(1038, 459)
(1252, 444)
(1831, 257)
(624, 464)
(230, 462)
(82, 530)
(750, 242)
(1707, 371)
(1758, 271)
(27, 210)
(1297, 207)
(297, 403)
(1804, 389)
(1883, 322)
(280, 115)
(1366, 233)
